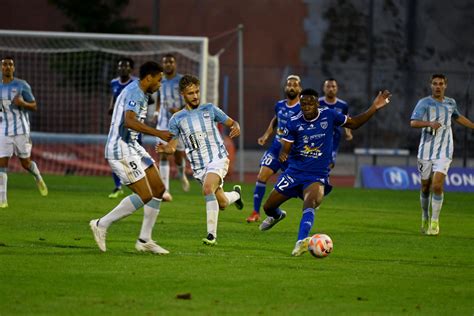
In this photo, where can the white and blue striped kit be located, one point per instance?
(14, 120)
(439, 144)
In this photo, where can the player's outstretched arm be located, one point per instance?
(464, 121)
(169, 148)
(132, 123)
(234, 127)
(263, 139)
(382, 99)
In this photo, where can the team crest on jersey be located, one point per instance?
(132, 103)
(324, 125)
(14, 90)
(206, 115)
(305, 139)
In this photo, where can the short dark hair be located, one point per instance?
(169, 55)
(188, 80)
(8, 57)
(309, 92)
(127, 59)
(441, 76)
(149, 68)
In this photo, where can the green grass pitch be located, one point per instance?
(381, 264)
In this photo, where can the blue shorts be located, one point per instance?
(292, 183)
(270, 160)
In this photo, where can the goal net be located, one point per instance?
(70, 74)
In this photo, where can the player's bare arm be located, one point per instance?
(420, 124)
(382, 99)
(234, 127)
(169, 148)
(348, 132)
(132, 123)
(285, 150)
(263, 139)
(20, 102)
(464, 121)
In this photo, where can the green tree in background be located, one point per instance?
(98, 16)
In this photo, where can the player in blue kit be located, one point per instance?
(16, 100)
(195, 125)
(130, 161)
(433, 115)
(269, 164)
(331, 101)
(307, 146)
(125, 67)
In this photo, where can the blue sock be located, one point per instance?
(306, 223)
(258, 194)
(117, 182)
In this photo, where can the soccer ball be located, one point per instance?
(320, 245)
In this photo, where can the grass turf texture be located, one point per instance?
(50, 264)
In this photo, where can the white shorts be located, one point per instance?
(427, 167)
(219, 167)
(179, 147)
(130, 169)
(20, 145)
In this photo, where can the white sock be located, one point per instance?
(232, 196)
(150, 213)
(3, 185)
(436, 204)
(425, 205)
(127, 206)
(33, 169)
(181, 168)
(212, 210)
(165, 173)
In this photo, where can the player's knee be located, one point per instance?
(145, 197)
(207, 189)
(437, 188)
(223, 204)
(158, 191)
(25, 163)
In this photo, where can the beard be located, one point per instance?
(291, 94)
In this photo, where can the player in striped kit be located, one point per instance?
(171, 102)
(433, 115)
(132, 164)
(17, 99)
(196, 126)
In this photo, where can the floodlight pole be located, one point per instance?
(240, 65)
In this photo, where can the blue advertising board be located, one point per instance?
(408, 178)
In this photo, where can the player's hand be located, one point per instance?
(283, 157)
(18, 100)
(435, 125)
(382, 99)
(165, 135)
(262, 140)
(349, 137)
(234, 130)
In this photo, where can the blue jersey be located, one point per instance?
(197, 129)
(117, 86)
(13, 119)
(312, 141)
(283, 113)
(121, 141)
(440, 144)
(341, 107)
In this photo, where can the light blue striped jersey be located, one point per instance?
(122, 141)
(14, 120)
(439, 145)
(197, 129)
(170, 98)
